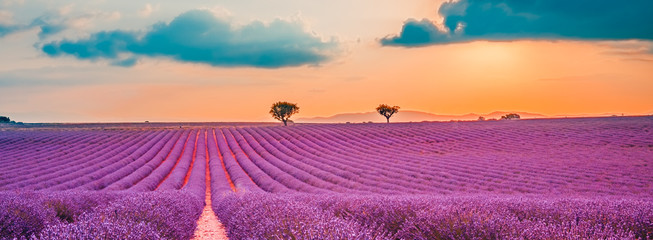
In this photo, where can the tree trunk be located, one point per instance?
(387, 119)
(285, 122)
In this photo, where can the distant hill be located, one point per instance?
(408, 116)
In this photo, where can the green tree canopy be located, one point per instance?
(4, 119)
(283, 110)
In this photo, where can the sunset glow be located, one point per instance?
(344, 65)
(341, 119)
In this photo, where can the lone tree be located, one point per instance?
(283, 110)
(387, 111)
(4, 119)
(510, 116)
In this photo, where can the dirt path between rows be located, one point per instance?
(208, 226)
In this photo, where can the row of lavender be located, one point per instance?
(362, 160)
(339, 216)
(598, 213)
(337, 164)
(394, 159)
(170, 162)
(141, 162)
(98, 215)
(23, 150)
(623, 167)
(72, 170)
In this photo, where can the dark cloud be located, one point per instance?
(98, 45)
(498, 20)
(417, 33)
(198, 36)
(50, 29)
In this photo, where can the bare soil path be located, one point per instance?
(208, 226)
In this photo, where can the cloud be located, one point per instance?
(49, 24)
(148, 10)
(7, 25)
(6, 29)
(127, 62)
(417, 33)
(502, 20)
(628, 48)
(53, 22)
(198, 36)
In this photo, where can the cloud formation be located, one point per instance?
(6, 29)
(7, 25)
(148, 10)
(198, 36)
(53, 22)
(501, 20)
(48, 25)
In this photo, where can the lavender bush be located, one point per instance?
(302, 216)
(83, 215)
(268, 216)
(533, 179)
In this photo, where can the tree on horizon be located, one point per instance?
(283, 110)
(387, 111)
(4, 119)
(510, 116)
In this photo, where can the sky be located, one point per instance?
(116, 61)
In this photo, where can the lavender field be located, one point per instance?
(585, 178)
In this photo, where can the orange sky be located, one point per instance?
(547, 77)
(552, 78)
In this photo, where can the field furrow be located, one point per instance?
(572, 178)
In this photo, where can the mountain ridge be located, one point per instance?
(411, 116)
